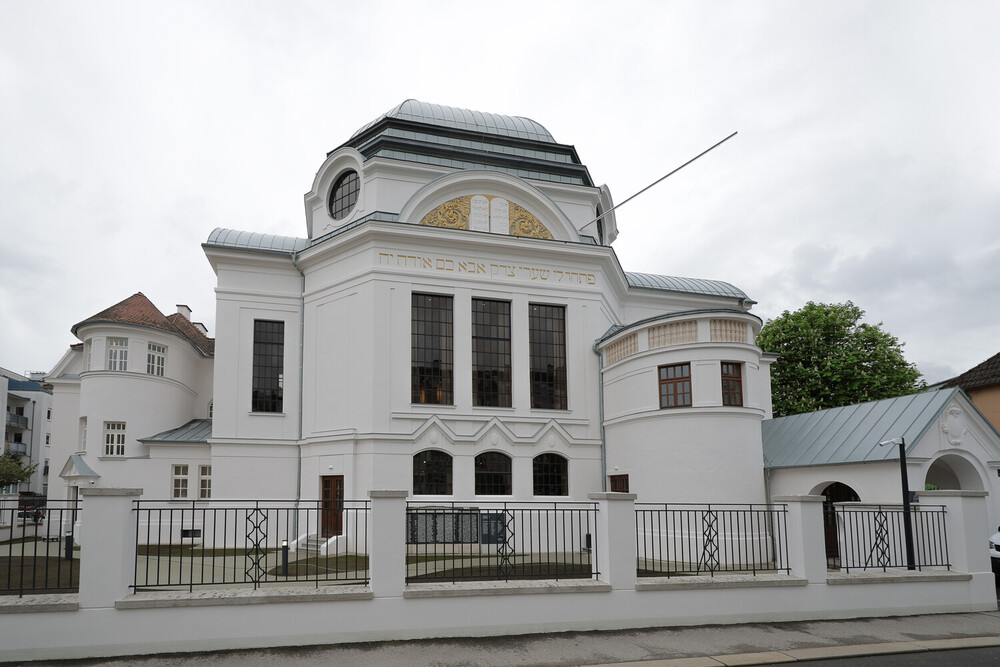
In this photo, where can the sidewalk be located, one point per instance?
(702, 646)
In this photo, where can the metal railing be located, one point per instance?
(503, 541)
(872, 537)
(17, 420)
(180, 545)
(690, 539)
(37, 553)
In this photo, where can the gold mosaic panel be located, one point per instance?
(454, 214)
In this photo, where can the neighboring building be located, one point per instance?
(454, 323)
(137, 372)
(836, 452)
(28, 426)
(982, 384)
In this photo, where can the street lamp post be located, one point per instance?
(907, 523)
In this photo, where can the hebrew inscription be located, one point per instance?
(491, 270)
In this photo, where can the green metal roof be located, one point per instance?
(685, 285)
(465, 119)
(196, 430)
(234, 238)
(851, 434)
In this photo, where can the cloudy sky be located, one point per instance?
(866, 166)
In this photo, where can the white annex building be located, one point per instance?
(454, 322)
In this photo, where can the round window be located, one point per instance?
(344, 194)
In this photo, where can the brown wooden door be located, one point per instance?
(332, 505)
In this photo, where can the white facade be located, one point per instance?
(133, 375)
(28, 426)
(344, 296)
(475, 211)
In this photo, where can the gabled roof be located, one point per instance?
(983, 375)
(851, 434)
(196, 430)
(140, 311)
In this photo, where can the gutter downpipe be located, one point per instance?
(604, 453)
(298, 449)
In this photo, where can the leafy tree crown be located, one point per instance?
(828, 358)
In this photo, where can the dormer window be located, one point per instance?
(344, 194)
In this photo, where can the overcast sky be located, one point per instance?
(866, 165)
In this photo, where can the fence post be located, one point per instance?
(107, 545)
(614, 543)
(965, 522)
(806, 539)
(387, 559)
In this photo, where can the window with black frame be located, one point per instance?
(431, 355)
(491, 353)
(547, 343)
(432, 473)
(493, 474)
(268, 366)
(550, 475)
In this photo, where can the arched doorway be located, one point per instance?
(837, 492)
(952, 471)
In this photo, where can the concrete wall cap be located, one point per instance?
(101, 491)
(799, 499)
(954, 493)
(609, 495)
(382, 493)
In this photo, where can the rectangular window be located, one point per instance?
(619, 483)
(204, 482)
(431, 349)
(268, 365)
(83, 434)
(114, 438)
(547, 342)
(48, 439)
(491, 353)
(87, 354)
(675, 386)
(48, 414)
(732, 383)
(156, 359)
(118, 354)
(180, 482)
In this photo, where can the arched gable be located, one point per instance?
(488, 201)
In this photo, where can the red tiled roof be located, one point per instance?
(139, 310)
(984, 374)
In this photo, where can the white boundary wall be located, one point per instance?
(106, 619)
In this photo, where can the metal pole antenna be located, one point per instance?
(661, 178)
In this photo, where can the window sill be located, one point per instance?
(266, 414)
(112, 458)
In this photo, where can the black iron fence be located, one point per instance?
(500, 541)
(873, 537)
(37, 547)
(687, 539)
(181, 545)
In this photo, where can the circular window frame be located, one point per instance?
(333, 206)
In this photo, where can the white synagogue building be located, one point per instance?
(453, 322)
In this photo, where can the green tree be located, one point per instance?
(13, 471)
(828, 358)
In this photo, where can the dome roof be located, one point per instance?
(465, 119)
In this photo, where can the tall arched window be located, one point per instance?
(432, 473)
(493, 476)
(550, 475)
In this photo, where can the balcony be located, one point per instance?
(16, 447)
(17, 420)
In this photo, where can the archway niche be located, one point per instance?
(954, 472)
(835, 492)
